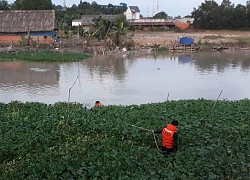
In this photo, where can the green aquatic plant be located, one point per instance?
(38, 141)
(43, 55)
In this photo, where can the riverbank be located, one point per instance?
(146, 41)
(168, 38)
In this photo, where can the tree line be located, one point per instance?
(65, 15)
(209, 15)
(26, 5)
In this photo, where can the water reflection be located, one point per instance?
(108, 65)
(207, 61)
(133, 79)
(185, 59)
(35, 79)
(31, 74)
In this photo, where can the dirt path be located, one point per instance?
(168, 38)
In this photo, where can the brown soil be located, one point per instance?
(168, 38)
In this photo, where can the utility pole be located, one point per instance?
(153, 11)
(148, 11)
(64, 5)
(78, 34)
(157, 6)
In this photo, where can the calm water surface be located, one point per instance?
(134, 79)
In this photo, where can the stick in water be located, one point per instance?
(167, 98)
(69, 96)
(217, 100)
(148, 131)
(140, 128)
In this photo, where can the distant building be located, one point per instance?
(17, 26)
(87, 20)
(184, 23)
(132, 13)
(115, 6)
(76, 22)
(147, 23)
(123, 4)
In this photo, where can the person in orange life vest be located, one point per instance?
(98, 103)
(169, 137)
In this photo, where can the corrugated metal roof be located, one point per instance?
(88, 19)
(134, 8)
(13, 21)
(185, 20)
(152, 23)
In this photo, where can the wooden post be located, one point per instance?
(217, 100)
(28, 33)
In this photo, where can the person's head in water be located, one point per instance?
(174, 122)
(98, 103)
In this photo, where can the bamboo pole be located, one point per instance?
(147, 131)
(156, 142)
(167, 98)
(139, 127)
(69, 95)
(217, 99)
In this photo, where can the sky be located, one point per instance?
(149, 7)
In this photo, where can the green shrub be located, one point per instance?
(162, 48)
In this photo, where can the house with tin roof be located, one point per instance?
(87, 20)
(132, 13)
(18, 26)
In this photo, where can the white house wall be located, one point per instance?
(132, 16)
(129, 15)
(137, 15)
(76, 23)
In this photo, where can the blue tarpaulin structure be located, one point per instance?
(186, 41)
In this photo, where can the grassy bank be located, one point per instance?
(43, 55)
(69, 141)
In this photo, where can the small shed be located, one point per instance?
(25, 26)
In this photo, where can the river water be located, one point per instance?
(132, 79)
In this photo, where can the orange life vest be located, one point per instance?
(167, 136)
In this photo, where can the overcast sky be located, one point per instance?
(147, 7)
